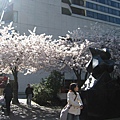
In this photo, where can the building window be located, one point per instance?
(117, 13)
(100, 16)
(110, 10)
(106, 9)
(107, 18)
(115, 4)
(114, 20)
(109, 2)
(102, 1)
(95, 15)
(111, 19)
(90, 14)
(66, 1)
(89, 5)
(103, 17)
(78, 11)
(117, 20)
(94, 6)
(81, 2)
(102, 8)
(119, 5)
(66, 11)
(78, 2)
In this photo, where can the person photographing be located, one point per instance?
(74, 100)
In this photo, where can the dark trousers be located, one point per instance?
(8, 100)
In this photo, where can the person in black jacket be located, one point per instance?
(8, 94)
(29, 94)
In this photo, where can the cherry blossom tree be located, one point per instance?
(73, 49)
(21, 53)
(73, 53)
(27, 54)
(110, 39)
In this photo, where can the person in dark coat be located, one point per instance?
(29, 94)
(8, 94)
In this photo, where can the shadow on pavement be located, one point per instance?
(36, 112)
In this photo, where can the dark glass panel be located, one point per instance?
(96, 15)
(111, 19)
(94, 6)
(106, 9)
(78, 11)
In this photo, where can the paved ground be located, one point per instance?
(36, 112)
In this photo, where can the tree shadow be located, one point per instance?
(36, 112)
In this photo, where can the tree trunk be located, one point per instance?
(15, 86)
(78, 75)
(86, 75)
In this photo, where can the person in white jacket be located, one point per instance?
(74, 99)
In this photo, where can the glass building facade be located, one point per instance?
(105, 10)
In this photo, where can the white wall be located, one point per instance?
(33, 78)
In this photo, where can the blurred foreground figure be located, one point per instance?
(99, 89)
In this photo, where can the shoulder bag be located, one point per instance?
(64, 111)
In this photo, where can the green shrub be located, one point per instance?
(46, 91)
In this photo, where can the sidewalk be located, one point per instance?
(36, 112)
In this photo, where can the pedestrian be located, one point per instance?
(74, 99)
(29, 94)
(8, 94)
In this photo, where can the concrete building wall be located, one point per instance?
(46, 16)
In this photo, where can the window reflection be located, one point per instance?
(103, 17)
(102, 8)
(78, 2)
(109, 2)
(98, 7)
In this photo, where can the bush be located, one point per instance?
(46, 91)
